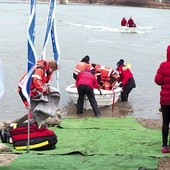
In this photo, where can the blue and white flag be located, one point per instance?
(51, 28)
(32, 56)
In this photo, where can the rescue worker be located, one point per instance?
(131, 23)
(123, 22)
(126, 80)
(82, 65)
(40, 78)
(85, 83)
(106, 76)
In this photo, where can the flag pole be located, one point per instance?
(28, 142)
(32, 59)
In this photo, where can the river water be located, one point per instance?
(86, 30)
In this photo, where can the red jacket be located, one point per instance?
(86, 78)
(123, 22)
(124, 73)
(162, 78)
(131, 23)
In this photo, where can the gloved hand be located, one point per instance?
(46, 91)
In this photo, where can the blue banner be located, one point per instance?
(32, 57)
(48, 27)
(51, 28)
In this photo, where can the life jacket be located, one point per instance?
(81, 66)
(39, 78)
(105, 72)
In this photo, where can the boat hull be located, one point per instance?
(128, 29)
(106, 98)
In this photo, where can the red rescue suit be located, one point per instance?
(39, 79)
(123, 22)
(125, 74)
(106, 77)
(104, 71)
(131, 23)
(81, 66)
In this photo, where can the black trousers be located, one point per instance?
(127, 89)
(86, 90)
(165, 123)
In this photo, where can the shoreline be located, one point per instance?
(155, 5)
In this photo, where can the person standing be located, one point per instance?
(162, 78)
(123, 22)
(85, 83)
(82, 65)
(126, 79)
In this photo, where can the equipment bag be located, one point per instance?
(41, 138)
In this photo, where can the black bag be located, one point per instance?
(5, 135)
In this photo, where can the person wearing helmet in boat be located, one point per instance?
(131, 23)
(85, 83)
(126, 79)
(123, 22)
(106, 76)
(82, 65)
(39, 83)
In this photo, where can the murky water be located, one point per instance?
(82, 30)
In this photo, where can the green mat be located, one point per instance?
(105, 143)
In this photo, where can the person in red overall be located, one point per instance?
(162, 78)
(123, 22)
(40, 78)
(82, 65)
(126, 80)
(85, 83)
(131, 23)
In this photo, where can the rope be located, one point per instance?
(113, 104)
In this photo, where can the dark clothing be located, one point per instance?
(165, 125)
(127, 89)
(74, 76)
(85, 83)
(86, 90)
(162, 78)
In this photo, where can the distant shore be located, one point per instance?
(149, 4)
(134, 3)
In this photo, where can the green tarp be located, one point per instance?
(98, 143)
